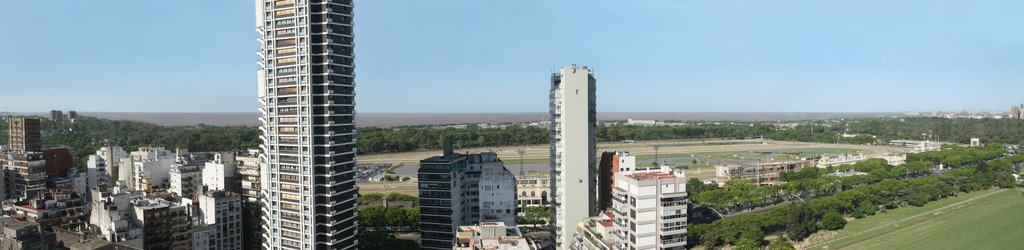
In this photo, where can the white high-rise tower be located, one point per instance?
(573, 149)
(306, 89)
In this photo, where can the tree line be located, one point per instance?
(885, 187)
(87, 134)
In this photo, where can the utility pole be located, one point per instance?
(656, 159)
(521, 152)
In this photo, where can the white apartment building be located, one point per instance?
(185, 180)
(222, 210)
(151, 168)
(111, 214)
(650, 209)
(219, 174)
(96, 172)
(573, 148)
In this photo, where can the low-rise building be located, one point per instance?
(491, 235)
(760, 173)
(917, 146)
(27, 235)
(833, 160)
(596, 233)
(533, 191)
(894, 159)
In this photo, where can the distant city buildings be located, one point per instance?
(463, 189)
(573, 148)
(56, 115)
(636, 122)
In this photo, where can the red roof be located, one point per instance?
(610, 215)
(605, 223)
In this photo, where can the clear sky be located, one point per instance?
(496, 56)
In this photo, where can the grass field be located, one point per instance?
(992, 220)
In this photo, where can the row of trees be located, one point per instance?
(376, 217)
(87, 134)
(534, 215)
(389, 218)
(859, 200)
(874, 130)
(738, 195)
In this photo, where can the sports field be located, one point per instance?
(989, 219)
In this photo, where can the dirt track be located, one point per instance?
(640, 148)
(643, 148)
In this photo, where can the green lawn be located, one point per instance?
(990, 222)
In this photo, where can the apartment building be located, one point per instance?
(573, 110)
(306, 88)
(463, 189)
(650, 209)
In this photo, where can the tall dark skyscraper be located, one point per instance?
(306, 89)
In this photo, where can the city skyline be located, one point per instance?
(677, 57)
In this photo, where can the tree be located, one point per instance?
(395, 216)
(832, 220)
(780, 244)
(412, 218)
(747, 244)
(864, 209)
(801, 222)
(372, 216)
(536, 215)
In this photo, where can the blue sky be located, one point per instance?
(496, 56)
